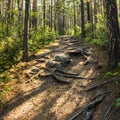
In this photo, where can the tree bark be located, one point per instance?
(114, 38)
(88, 11)
(82, 20)
(34, 18)
(44, 21)
(25, 40)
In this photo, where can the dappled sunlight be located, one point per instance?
(45, 98)
(88, 73)
(59, 59)
(68, 102)
(26, 107)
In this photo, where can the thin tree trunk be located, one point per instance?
(55, 16)
(25, 40)
(92, 23)
(51, 14)
(34, 18)
(88, 11)
(64, 17)
(82, 19)
(95, 11)
(74, 16)
(44, 21)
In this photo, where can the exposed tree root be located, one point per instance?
(55, 77)
(58, 80)
(90, 61)
(97, 86)
(87, 111)
(73, 76)
(40, 60)
(56, 73)
(63, 72)
(103, 93)
(109, 108)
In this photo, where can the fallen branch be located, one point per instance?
(31, 78)
(88, 109)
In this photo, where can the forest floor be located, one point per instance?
(43, 89)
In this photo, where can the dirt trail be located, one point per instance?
(38, 95)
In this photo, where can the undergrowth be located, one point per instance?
(114, 73)
(98, 36)
(11, 46)
(4, 87)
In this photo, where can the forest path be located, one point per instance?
(62, 80)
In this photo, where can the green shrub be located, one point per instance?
(11, 46)
(110, 73)
(40, 38)
(118, 102)
(9, 53)
(77, 33)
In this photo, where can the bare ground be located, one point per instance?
(35, 97)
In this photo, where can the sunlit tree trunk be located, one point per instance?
(55, 15)
(63, 16)
(92, 23)
(74, 15)
(51, 11)
(82, 20)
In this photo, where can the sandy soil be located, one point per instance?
(43, 98)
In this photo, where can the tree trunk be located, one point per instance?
(82, 20)
(74, 15)
(20, 18)
(88, 11)
(34, 18)
(55, 16)
(95, 11)
(114, 40)
(64, 17)
(25, 40)
(92, 23)
(44, 21)
(51, 10)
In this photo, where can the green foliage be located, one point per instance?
(34, 14)
(77, 32)
(119, 65)
(110, 73)
(40, 38)
(5, 77)
(11, 46)
(118, 102)
(9, 53)
(99, 36)
(3, 93)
